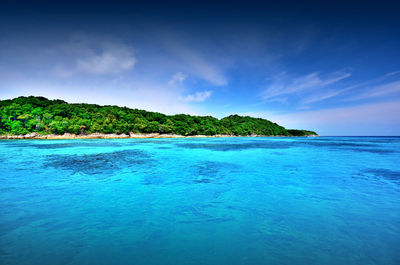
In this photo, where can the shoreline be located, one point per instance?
(67, 136)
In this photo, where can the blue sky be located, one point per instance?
(333, 68)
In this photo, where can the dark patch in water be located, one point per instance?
(359, 146)
(196, 210)
(69, 144)
(263, 143)
(152, 180)
(164, 147)
(333, 144)
(150, 141)
(374, 151)
(223, 146)
(383, 140)
(199, 213)
(387, 174)
(211, 172)
(99, 163)
(202, 180)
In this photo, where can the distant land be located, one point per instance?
(41, 118)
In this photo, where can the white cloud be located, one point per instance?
(90, 54)
(106, 58)
(283, 85)
(177, 79)
(197, 97)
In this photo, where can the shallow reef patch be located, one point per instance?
(99, 163)
(206, 172)
(391, 175)
(60, 145)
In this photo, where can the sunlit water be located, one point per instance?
(188, 201)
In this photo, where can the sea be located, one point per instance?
(237, 200)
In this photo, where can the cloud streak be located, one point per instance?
(177, 79)
(379, 91)
(195, 63)
(365, 90)
(197, 97)
(283, 85)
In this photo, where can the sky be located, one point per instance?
(328, 66)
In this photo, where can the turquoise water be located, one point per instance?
(325, 200)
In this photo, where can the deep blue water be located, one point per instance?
(325, 200)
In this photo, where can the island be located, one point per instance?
(41, 118)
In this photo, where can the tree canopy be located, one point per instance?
(24, 115)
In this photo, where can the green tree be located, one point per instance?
(24, 118)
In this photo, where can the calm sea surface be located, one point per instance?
(325, 200)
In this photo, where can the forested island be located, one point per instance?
(39, 116)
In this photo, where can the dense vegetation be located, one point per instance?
(25, 115)
(294, 132)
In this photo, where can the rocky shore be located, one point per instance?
(115, 136)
